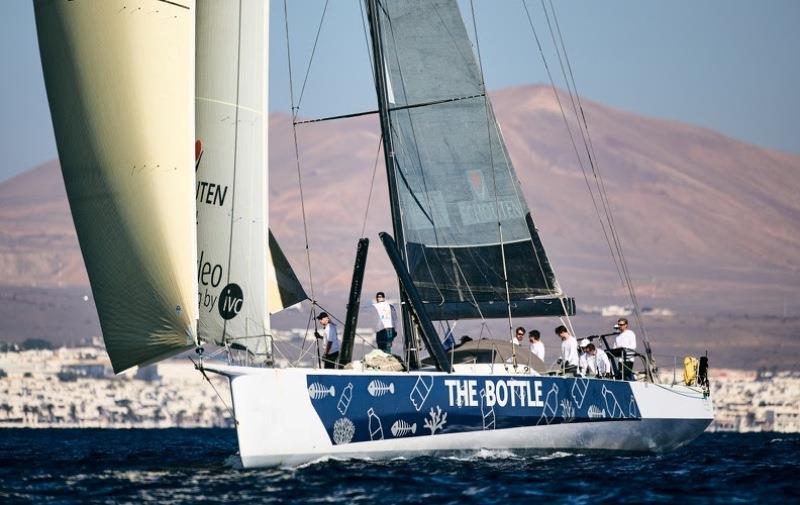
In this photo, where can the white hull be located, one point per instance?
(282, 419)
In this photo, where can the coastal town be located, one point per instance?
(74, 387)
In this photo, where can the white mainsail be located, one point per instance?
(231, 192)
(119, 79)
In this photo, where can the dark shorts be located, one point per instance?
(384, 338)
(329, 360)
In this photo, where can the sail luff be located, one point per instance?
(120, 87)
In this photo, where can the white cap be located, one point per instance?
(584, 342)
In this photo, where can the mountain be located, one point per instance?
(708, 223)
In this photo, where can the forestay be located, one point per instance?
(120, 86)
(455, 181)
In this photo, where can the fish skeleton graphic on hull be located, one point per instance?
(401, 428)
(379, 388)
(317, 391)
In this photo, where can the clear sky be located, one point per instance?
(729, 65)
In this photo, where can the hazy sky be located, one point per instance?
(729, 65)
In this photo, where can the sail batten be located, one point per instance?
(462, 212)
(120, 94)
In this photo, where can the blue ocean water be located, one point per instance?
(178, 466)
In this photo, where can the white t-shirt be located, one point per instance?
(601, 363)
(329, 334)
(537, 349)
(569, 351)
(626, 339)
(594, 365)
(386, 315)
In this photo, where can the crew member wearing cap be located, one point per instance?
(626, 343)
(583, 359)
(330, 337)
(387, 316)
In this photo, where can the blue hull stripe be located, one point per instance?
(377, 407)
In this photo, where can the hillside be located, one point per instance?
(708, 223)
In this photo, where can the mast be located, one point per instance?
(388, 153)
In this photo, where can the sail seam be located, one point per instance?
(230, 104)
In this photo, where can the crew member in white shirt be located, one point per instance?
(569, 350)
(385, 325)
(330, 338)
(626, 340)
(519, 334)
(597, 363)
(537, 347)
(583, 358)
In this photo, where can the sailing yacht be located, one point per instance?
(177, 246)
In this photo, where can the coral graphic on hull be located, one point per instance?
(422, 388)
(375, 426)
(401, 428)
(487, 412)
(343, 431)
(567, 411)
(612, 405)
(437, 420)
(550, 406)
(344, 400)
(317, 391)
(379, 388)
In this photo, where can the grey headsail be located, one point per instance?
(454, 178)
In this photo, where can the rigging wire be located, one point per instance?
(599, 182)
(295, 110)
(602, 186)
(605, 225)
(372, 184)
(494, 179)
(199, 367)
(571, 136)
(556, 287)
(313, 51)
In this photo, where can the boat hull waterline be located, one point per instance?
(296, 415)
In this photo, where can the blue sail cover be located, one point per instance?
(455, 181)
